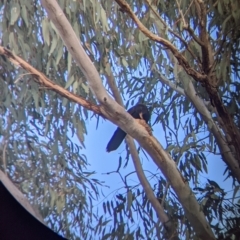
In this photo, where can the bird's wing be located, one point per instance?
(140, 111)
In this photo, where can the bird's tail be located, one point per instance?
(116, 140)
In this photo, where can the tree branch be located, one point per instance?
(170, 30)
(119, 116)
(196, 39)
(207, 59)
(226, 152)
(207, 78)
(41, 79)
(172, 85)
(181, 59)
(164, 219)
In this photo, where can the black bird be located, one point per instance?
(139, 111)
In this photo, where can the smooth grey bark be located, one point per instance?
(119, 116)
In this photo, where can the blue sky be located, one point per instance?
(103, 162)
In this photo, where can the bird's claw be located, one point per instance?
(145, 125)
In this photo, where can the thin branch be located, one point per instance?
(226, 152)
(150, 194)
(207, 78)
(186, 25)
(137, 164)
(181, 59)
(171, 31)
(190, 30)
(172, 85)
(181, 14)
(165, 192)
(44, 81)
(207, 59)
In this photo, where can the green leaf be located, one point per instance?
(69, 82)
(104, 20)
(69, 62)
(104, 207)
(13, 43)
(80, 132)
(24, 15)
(236, 189)
(45, 31)
(197, 163)
(129, 199)
(85, 88)
(54, 43)
(15, 12)
(59, 52)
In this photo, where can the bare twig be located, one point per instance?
(181, 14)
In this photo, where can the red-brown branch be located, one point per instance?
(207, 78)
(43, 80)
